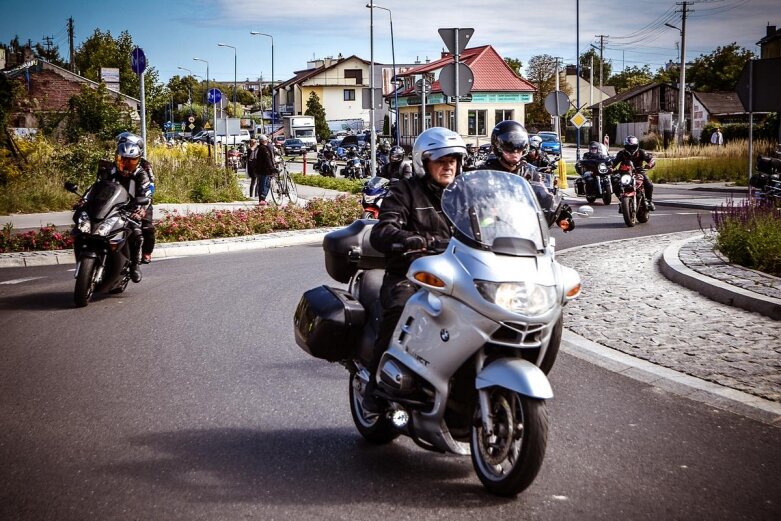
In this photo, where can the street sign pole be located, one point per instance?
(456, 54)
(423, 103)
(138, 65)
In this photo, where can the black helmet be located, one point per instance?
(631, 144)
(396, 154)
(509, 136)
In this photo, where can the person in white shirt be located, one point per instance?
(716, 138)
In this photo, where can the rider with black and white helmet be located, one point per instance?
(411, 216)
(536, 157)
(639, 159)
(396, 168)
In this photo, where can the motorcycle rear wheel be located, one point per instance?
(590, 199)
(642, 212)
(85, 282)
(508, 460)
(629, 211)
(375, 428)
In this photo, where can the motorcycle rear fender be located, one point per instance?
(515, 374)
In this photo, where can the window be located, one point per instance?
(476, 123)
(440, 115)
(502, 115)
(349, 94)
(415, 124)
(451, 120)
(405, 124)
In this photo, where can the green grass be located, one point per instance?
(352, 186)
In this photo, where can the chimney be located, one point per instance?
(417, 60)
(446, 54)
(428, 60)
(771, 30)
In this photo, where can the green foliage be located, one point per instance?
(193, 178)
(542, 74)
(353, 186)
(515, 64)
(315, 108)
(45, 238)
(585, 67)
(94, 111)
(767, 129)
(631, 77)
(750, 235)
(621, 112)
(718, 71)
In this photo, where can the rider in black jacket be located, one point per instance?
(510, 141)
(638, 157)
(396, 168)
(411, 217)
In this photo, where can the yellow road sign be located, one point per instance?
(578, 120)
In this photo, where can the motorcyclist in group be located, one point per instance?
(396, 168)
(411, 215)
(638, 157)
(510, 143)
(135, 174)
(470, 161)
(596, 150)
(536, 157)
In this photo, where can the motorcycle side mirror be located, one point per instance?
(584, 211)
(71, 187)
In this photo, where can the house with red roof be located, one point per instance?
(497, 94)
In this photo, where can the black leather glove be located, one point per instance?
(414, 242)
(565, 220)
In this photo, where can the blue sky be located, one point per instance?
(173, 32)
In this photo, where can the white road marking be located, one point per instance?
(19, 281)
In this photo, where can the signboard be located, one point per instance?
(138, 60)
(110, 76)
(228, 126)
(447, 79)
(467, 98)
(766, 79)
(556, 103)
(191, 119)
(578, 120)
(214, 96)
(449, 37)
(422, 85)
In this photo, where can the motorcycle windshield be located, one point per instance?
(376, 184)
(495, 209)
(103, 197)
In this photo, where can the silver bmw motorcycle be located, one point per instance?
(462, 371)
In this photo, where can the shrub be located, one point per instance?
(750, 235)
(46, 238)
(353, 186)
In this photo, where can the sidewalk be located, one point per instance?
(639, 318)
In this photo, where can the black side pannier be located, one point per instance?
(769, 165)
(328, 323)
(348, 250)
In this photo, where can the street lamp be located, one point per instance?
(273, 97)
(207, 75)
(234, 74)
(373, 135)
(393, 76)
(208, 145)
(189, 90)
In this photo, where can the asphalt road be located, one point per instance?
(187, 398)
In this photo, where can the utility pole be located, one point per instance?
(48, 40)
(70, 45)
(682, 93)
(556, 118)
(601, 78)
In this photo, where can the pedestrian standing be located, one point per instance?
(716, 139)
(252, 161)
(265, 168)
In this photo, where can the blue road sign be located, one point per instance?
(214, 96)
(137, 60)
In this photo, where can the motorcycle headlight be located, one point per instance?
(602, 168)
(105, 227)
(83, 223)
(519, 297)
(369, 198)
(626, 179)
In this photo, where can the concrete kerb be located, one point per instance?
(671, 267)
(180, 249)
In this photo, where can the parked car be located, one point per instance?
(550, 143)
(242, 137)
(294, 146)
(204, 136)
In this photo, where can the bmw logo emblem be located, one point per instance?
(444, 335)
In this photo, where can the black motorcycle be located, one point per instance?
(101, 238)
(594, 181)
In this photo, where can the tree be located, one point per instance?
(585, 67)
(719, 70)
(95, 111)
(631, 77)
(315, 108)
(515, 64)
(51, 55)
(542, 74)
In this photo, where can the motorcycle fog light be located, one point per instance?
(84, 225)
(518, 297)
(105, 227)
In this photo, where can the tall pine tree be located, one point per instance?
(315, 108)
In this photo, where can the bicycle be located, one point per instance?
(282, 186)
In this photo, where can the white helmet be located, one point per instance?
(435, 143)
(535, 142)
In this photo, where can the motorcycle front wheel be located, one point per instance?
(85, 282)
(606, 198)
(590, 199)
(508, 460)
(642, 212)
(375, 428)
(629, 211)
